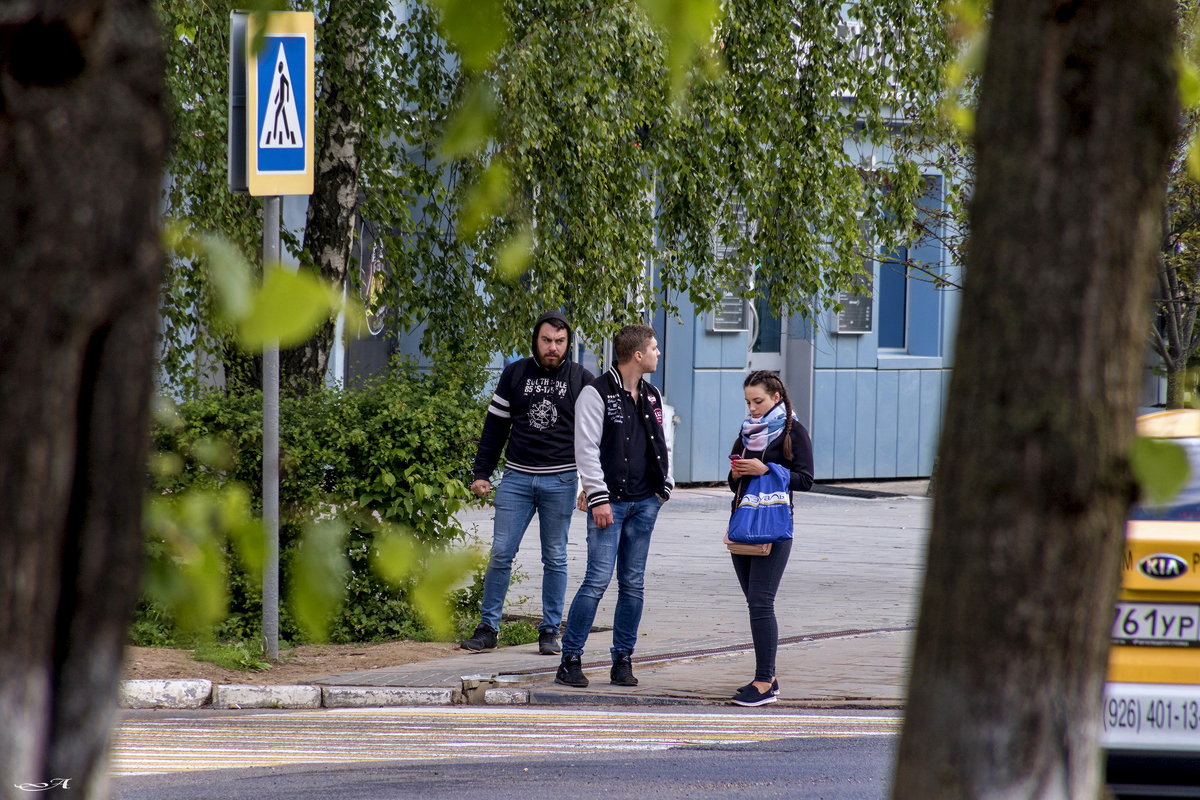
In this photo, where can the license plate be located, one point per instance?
(1143, 715)
(1163, 624)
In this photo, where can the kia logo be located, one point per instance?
(1163, 566)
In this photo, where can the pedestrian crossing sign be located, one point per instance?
(279, 103)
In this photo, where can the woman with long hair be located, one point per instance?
(770, 434)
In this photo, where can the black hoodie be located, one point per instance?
(534, 410)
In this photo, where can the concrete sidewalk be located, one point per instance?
(846, 608)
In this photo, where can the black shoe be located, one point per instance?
(548, 643)
(484, 638)
(750, 696)
(622, 670)
(570, 672)
(774, 687)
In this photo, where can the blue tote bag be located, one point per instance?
(764, 512)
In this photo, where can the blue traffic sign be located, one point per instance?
(282, 134)
(280, 97)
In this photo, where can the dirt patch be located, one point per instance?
(302, 664)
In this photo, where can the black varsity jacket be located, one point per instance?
(600, 448)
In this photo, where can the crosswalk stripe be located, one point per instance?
(162, 745)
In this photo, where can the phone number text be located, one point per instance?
(1129, 713)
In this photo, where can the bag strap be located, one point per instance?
(739, 492)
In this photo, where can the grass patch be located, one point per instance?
(517, 632)
(232, 655)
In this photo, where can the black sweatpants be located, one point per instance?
(760, 577)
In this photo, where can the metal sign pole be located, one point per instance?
(270, 471)
(271, 154)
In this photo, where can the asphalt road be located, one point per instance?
(797, 769)
(499, 754)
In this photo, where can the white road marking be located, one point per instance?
(143, 747)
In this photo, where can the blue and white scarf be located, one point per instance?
(759, 432)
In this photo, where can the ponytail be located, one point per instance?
(773, 384)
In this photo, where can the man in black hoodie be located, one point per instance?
(533, 409)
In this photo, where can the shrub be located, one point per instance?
(393, 455)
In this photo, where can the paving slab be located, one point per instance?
(846, 608)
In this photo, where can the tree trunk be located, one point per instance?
(329, 230)
(82, 137)
(1076, 114)
(1174, 386)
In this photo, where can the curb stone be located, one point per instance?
(375, 697)
(248, 696)
(164, 693)
(506, 697)
(556, 697)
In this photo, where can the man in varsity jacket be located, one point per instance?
(533, 409)
(625, 467)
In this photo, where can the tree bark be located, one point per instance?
(82, 137)
(1174, 387)
(1077, 111)
(332, 208)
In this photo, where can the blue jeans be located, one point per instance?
(517, 497)
(621, 547)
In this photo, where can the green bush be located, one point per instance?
(395, 455)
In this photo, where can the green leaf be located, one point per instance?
(443, 571)
(190, 581)
(288, 309)
(1161, 468)
(475, 28)
(688, 26)
(1189, 81)
(515, 256)
(232, 276)
(1193, 156)
(245, 531)
(318, 584)
(396, 555)
(484, 199)
(473, 123)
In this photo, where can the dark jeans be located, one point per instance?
(760, 577)
(622, 548)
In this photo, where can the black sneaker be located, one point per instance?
(750, 696)
(774, 687)
(548, 643)
(484, 638)
(622, 670)
(570, 672)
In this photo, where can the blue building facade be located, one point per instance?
(870, 388)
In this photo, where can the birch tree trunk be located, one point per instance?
(1077, 111)
(332, 208)
(82, 138)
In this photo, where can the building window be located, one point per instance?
(770, 327)
(893, 299)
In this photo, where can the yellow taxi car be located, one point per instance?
(1152, 696)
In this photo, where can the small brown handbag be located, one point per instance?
(743, 549)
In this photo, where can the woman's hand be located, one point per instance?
(748, 466)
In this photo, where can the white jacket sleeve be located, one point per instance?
(670, 478)
(589, 426)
